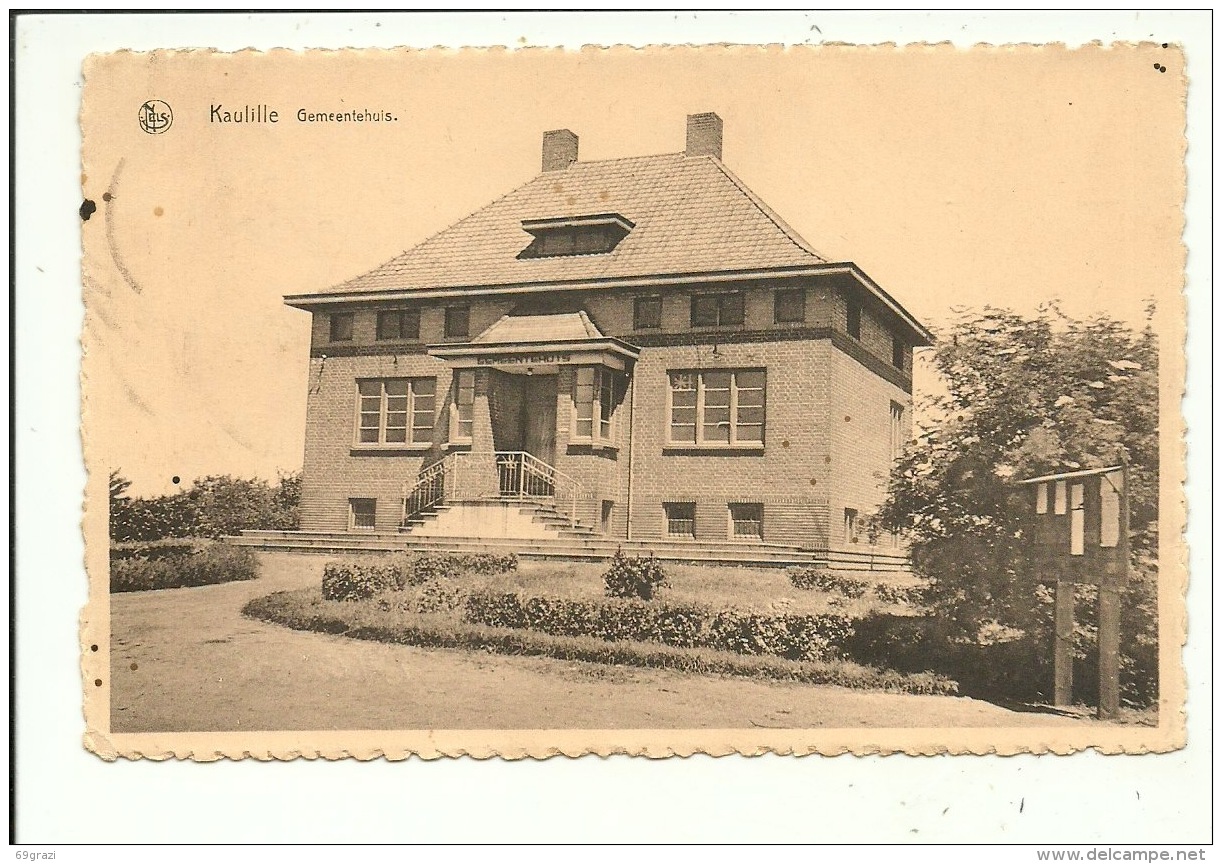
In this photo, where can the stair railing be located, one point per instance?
(538, 479)
(520, 475)
(429, 490)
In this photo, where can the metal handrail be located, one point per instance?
(519, 474)
(429, 489)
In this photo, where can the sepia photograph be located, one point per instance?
(545, 427)
(433, 391)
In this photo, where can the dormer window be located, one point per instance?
(575, 235)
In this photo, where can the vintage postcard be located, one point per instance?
(653, 401)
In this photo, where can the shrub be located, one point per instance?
(155, 549)
(794, 637)
(362, 577)
(631, 576)
(207, 564)
(901, 595)
(823, 579)
(212, 507)
(303, 610)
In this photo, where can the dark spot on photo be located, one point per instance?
(88, 208)
(106, 196)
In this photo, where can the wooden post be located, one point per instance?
(1109, 652)
(1062, 651)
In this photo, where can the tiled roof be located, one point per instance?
(559, 326)
(691, 215)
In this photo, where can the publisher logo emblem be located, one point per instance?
(155, 116)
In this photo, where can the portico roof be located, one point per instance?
(558, 338)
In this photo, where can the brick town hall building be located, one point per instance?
(629, 351)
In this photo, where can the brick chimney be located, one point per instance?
(704, 135)
(559, 149)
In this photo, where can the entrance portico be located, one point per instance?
(535, 393)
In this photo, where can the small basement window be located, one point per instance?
(341, 327)
(680, 518)
(362, 514)
(596, 234)
(747, 521)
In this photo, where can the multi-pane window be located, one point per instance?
(399, 324)
(852, 526)
(647, 313)
(747, 520)
(898, 350)
(396, 410)
(341, 326)
(362, 514)
(458, 321)
(680, 518)
(464, 405)
(584, 240)
(854, 319)
(594, 398)
(715, 407)
(897, 430)
(717, 310)
(789, 305)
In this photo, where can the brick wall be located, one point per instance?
(790, 476)
(432, 325)
(860, 403)
(813, 464)
(334, 470)
(612, 312)
(875, 334)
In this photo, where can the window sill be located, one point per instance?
(713, 449)
(388, 449)
(587, 445)
(461, 444)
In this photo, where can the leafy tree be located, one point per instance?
(286, 501)
(118, 488)
(1026, 396)
(213, 506)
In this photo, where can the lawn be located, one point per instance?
(724, 620)
(759, 589)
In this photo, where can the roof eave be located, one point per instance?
(922, 336)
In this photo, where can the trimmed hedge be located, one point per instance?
(362, 577)
(823, 579)
(154, 550)
(201, 564)
(902, 595)
(793, 637)
(303, 610)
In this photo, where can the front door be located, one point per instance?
(539, 417)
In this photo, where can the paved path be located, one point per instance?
(186, 660)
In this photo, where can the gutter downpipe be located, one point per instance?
(631, 450)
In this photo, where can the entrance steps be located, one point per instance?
(557, 547)
(534, 529)
(517, 519)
